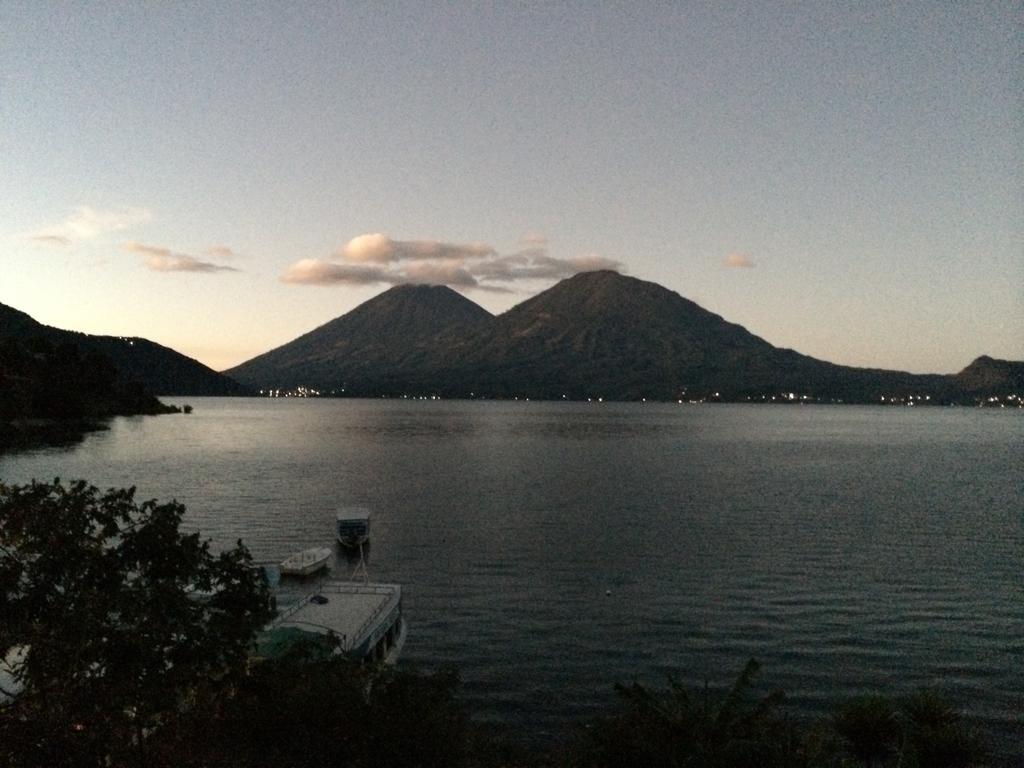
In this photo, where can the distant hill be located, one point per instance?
(378, 346)
(14, 322)
(162, 370)
(988, 376)
(597, 334)
(158, 369)
(40, 379)
(53, 390)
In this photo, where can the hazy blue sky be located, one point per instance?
(844, 179)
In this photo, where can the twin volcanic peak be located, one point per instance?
(597, 334)
(594, 335)
(430, 338)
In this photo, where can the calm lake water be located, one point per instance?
(848, 549)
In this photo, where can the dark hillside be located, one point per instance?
(597, 334)
(401, 330)
(601, 334)
(157, 369)
(989, 376)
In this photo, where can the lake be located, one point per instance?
(549, 550)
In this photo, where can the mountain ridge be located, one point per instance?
(54, 389)
(986, 374)
(595, 334)
(156, 368)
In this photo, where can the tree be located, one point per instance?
(675, 727)
(123, 620)
(922, 730)
(870, 728)
(938, 735)
(305, 711)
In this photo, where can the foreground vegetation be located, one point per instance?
(122, 666)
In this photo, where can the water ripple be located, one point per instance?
(550, 550)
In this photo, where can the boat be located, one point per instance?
(306, 562)
(359, 619)
(353, 526)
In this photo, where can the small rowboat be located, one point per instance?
(353, 526)
(306, 562)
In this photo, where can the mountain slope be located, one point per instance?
(162, 370)
(156, 368)
(53, 389)
(986, 375)
(597, 334)
(14, 322)
(376, 346)
(601, 334)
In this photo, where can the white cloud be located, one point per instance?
(221, 252)
(533, 240)
(320, 272)
(740, 260)
(58, 241)
(87, 223)
(377, 259)
(159, 259)
(537, 265)
(147, 250)
(369, 248)
(380, 249)
(182, 263)
(449, 272)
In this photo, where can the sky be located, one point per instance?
(845, 179)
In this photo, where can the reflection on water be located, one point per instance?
(549, 550)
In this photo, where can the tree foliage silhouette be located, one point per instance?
(99, 595)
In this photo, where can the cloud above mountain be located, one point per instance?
(159, 259)
(321, 272)
(738, 261)
(220, 252)
(88, 223)
(381, 249)
(58, 241)
(378, 259)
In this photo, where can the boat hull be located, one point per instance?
(391, 658)
(307, 562)
(352, 542)
(352, 527)
(303, 571)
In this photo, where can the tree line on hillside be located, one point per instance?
(158, 369)
(112, 661)
(50, 391)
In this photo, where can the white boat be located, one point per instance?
(365, 618)
(353, 526)
(306, 562)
